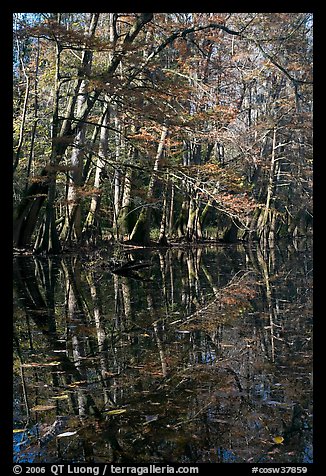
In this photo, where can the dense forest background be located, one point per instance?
(161, 127)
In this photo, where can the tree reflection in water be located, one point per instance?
(203, 356)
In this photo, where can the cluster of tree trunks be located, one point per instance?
(132, 131)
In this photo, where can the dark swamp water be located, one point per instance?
(203, 355)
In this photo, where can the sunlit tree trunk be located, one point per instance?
(73, 225)
(124, 221)
(72, 229)
(92, 227)
(117, 174)
(193, 232)
(24, 112)
(36, 118)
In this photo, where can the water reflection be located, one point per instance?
(181, 355)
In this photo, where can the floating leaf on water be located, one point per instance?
(19, 430)
(60, 397)
(220, 420)
(116, 412)
(41, 364)
(77, 383)
(66, 433)
(43, 408)
(278, 439)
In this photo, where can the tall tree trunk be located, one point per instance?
(181, 221)
(117, 174)
(92, 223)
(208, 205)
(124, 221)
(73, 227)
(47, 240)
(193, 232)
(24, 112)
(36, 119)
(140, 233)
(264, 220)
(26, 214)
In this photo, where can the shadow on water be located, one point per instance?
(181, 355)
